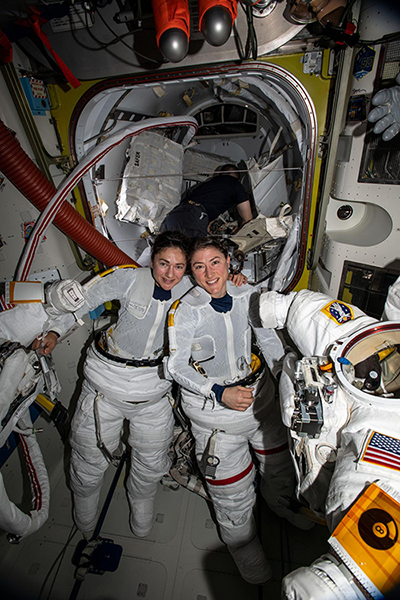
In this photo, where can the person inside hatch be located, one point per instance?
(230, 400)
(207, 201)
(124, 380)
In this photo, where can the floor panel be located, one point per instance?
(182, 558)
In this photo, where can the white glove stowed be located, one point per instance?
(386, 115)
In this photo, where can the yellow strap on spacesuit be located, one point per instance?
(117, 267)
(367, 540)
(44, 402)
(100, 275)
(171, 313)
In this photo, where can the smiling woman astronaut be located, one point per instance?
(211, 358)
(123, 381)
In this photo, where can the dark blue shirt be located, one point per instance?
(160, 294)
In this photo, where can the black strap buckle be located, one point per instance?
(100, 343)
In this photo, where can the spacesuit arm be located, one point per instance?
(274, 309)
(272, 348)
(267, 339)
(182, 324)
(102, 288)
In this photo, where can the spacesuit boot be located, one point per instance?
(141, 517)
(251, 562)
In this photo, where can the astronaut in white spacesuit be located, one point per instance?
(230, 400)
(124, 380)
(20, 325)
(24, 374)
(341, 404)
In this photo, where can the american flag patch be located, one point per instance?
(382, 450)
(5, 305)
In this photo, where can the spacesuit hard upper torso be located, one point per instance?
(314, 322)
(139, 333)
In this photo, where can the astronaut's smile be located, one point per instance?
(210, 270)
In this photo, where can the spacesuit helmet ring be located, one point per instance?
(367, 363)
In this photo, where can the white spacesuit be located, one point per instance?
(20, 382)
(341, 404)
(123, 380)
(209, 347)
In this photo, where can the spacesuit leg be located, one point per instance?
(233, 495)
(88, 463)
(12, 519)
(150, 435)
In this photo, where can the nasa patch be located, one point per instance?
(338, 311)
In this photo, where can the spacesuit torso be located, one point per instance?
(139, 333)
(220, 344)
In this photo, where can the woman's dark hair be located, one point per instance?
(171, 239)
(208, 242)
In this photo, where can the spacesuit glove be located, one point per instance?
(286, 388)
(386, 115)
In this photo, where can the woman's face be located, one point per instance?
(169, 266)
(210, 269)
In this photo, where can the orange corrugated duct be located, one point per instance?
(16, 165)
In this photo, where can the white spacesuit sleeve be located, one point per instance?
(268, 340)
(272, 348)
(391, 311)
(274, 308)
(182, 323)
(58, 322)
(114, 286)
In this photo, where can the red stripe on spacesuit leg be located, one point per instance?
(36, 489)
(233, 479)
(272, 450)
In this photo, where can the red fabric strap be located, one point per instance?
(6, 49)
(272, 450)
(350, 28)
(233, 479)
(36, 21)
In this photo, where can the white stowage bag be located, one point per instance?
(200, 166)
(268, 185)
(152, 180)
